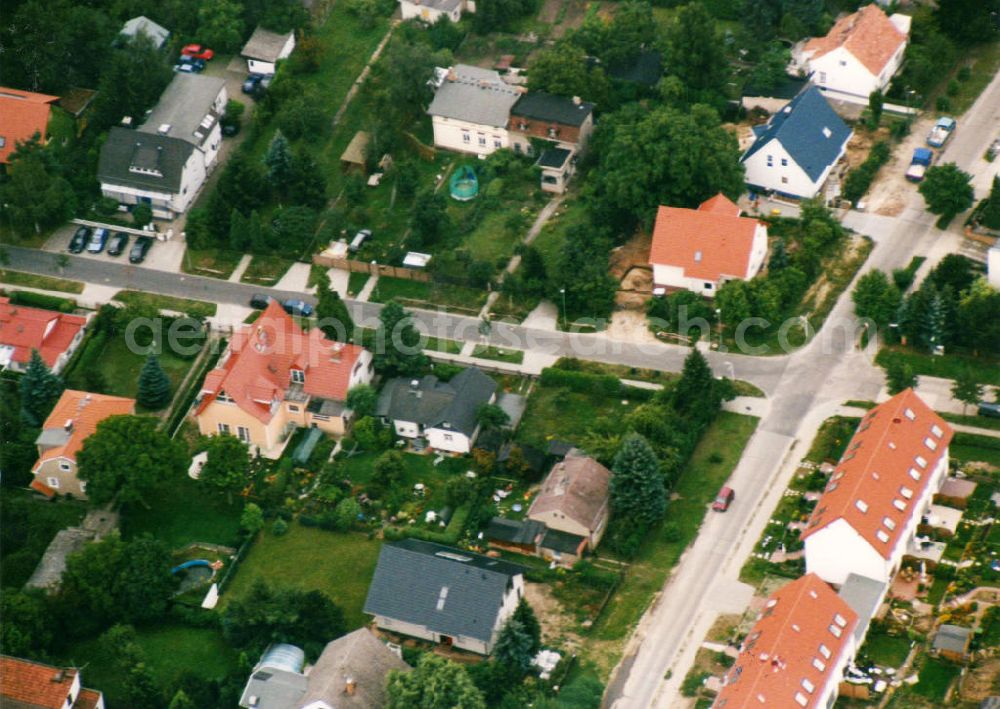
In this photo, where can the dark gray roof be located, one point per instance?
(513, 405)
(433, 403)
(265, 45)
(185, 108)
(160, 160)
(476, 95)
(359, 656)
(808, 129)
(646, 68)
(277, 682)
(540, 106)
(863, 595)
(952, 638)
(789, 87)
(562, 542)
(554, 158)
(514, 531)
(412, 577)
(51, 566)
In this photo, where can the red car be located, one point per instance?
(197, 51)
(723, 499)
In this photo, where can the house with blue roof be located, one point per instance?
(794, 153)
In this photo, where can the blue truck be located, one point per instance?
(922, 159)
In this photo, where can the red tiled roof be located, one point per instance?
(867, 34)
(789, 655)
(85, 410)
(884, 471)
(38, 486)
(88, 699)
(32, 684)
(22, 114)
(709, 243)
(47, 331)
(257, 368)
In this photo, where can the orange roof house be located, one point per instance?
(878, 492)
(74, 418)
(31, 685)
(796, 653)
(699, 249)
(22, 114)
(274, 376)
(865, 47)
(54, 335)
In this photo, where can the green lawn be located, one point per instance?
(32, 280)
(438, 344)
(976, 421)
(171, 650)
(194, 308)
(935, 678)
(419, 469)
(266, 270)
(356, 282)
(339, 565)
(710, 466)
(832, 439)
(886, 650)
(419, 294)
(214, 263)
(182, 512)
(949, 366)
(559, 413)
(498, 353)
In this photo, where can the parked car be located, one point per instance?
(196, 64)
(98, 240)
(79, 241)
(989, 410)
(251, 83)
(359, 239)
(197, 51)
(941, 132)
(260, 301)
(117, 244)
(297, 307)
(724, 499)
(137, 254)
(994, 150)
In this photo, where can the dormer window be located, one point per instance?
(906, 492)
(861, 505)
(936, 430)
(921, 461)
(910, 414)
(889, 523)
(298, 376)
(930, 443)
(914, 473)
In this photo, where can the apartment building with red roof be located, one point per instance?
(274, 377)
(868, 515)
(22, 115)
(860, 53)
(796, 653)
(73, 419)
(55, 335)
(700, 249)
(31, 685)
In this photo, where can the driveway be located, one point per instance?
(164, 255)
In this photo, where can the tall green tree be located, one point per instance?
(875, 103)
(990, 216)
(563, 70)
(429, 220)
(697, 394)
(40, 390)
(132, 80)
(580, 285)
(876, 297)
(220, 25)
(34, 196)
(525, 615)
(512, 649)
(334, 319)
(696, 51)
(638, 494)
(899, 376)
(28, 626)
(632, 29)
(280, 162)
(968, 21)
(492, 416)
(227, 465)
(946, 189)
(967, 389)
(435, 683)
(361, 398)
(397, 343)
(388, 472)
(151, 454)
(154, 385)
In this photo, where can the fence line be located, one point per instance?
(378, 269)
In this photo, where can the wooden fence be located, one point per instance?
(378, 269)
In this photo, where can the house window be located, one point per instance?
(64, 466)
(708, 286)
(466, 138)
(447, 437)
(784, 162)
(784, 180)
(83, 486)
(496, 142)
(3, 142)
(298, 376)
(243, 433)
(770, 161)
(224, 428)
(553, 132)
(522, 126)
(482, 140)
(822, 77)
(53, 483)
(293, 408)
(843, 62)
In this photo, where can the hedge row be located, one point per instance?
(582, 382)
(860, 178)
(41, 300)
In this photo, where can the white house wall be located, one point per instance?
(838, 550)
(429, 15)
(424, 633)
(448, 440)
(796, 181)
(465, 137)
(839, 70)
(758, 252)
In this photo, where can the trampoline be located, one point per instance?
(463, 184)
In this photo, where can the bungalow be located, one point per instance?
(273, 378)
(952, 642)
(700, 249)
(860, 54)
(55, 335)
(23, 114)
(24, 683)
(142, 25)
(796, 652)
(471, 109)
(868, 515)
(350, 674)
(794, 152)
(445, 595)
(574, 500)
(265, 48)
(74, 418)
(445, 413)
(430, 11)
(165, 162)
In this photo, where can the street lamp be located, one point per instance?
(562, 292)
(718, 319)
(373, 272)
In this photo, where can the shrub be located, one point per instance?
(41, 300)
(965, 73)
(279, 528)
(581, 382)
(943, 103)
(953, 88)
(860, 178)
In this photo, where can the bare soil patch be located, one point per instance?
(558, 626)
(981, 681)
(891, 191)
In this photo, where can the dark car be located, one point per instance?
(260, 301)
(724, 499)
(117, 244)
(252, 83)
(98, 240)
(989, 410)
(137, 254)
(197, 65)
(79, 241)
(297, 307)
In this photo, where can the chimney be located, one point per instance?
(577, 101)
(59, 676)
(68, 426)
(452, 76)
(349, 686)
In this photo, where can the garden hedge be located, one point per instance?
(41, 300)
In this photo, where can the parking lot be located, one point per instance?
(162, 255)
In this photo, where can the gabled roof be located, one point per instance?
(474, 95)
(792, 651)
(22, 114)
(74, 419)
(256, 368)
(514, 531)
(450, 591)
(31, 685)
(540, 106)
(576, 488)
(25, 329)
(436, 404)
(360, 657)
(710, 243)
(808, 129)
(884, 472)
(185, 109)
(952, 638)
(265, 45)
(146, 26)
(868, 34)
(143, 160)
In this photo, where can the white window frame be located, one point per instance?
(53, 483)
(65, 466)
(223, 428)
(243, 433)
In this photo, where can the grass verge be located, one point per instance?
(266, 270)
(194, 308)
(213, 263)
(499, 354)
(950, 366)
(33, 280)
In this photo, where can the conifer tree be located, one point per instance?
(154, 385)
(40, 390)
(637, 490)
